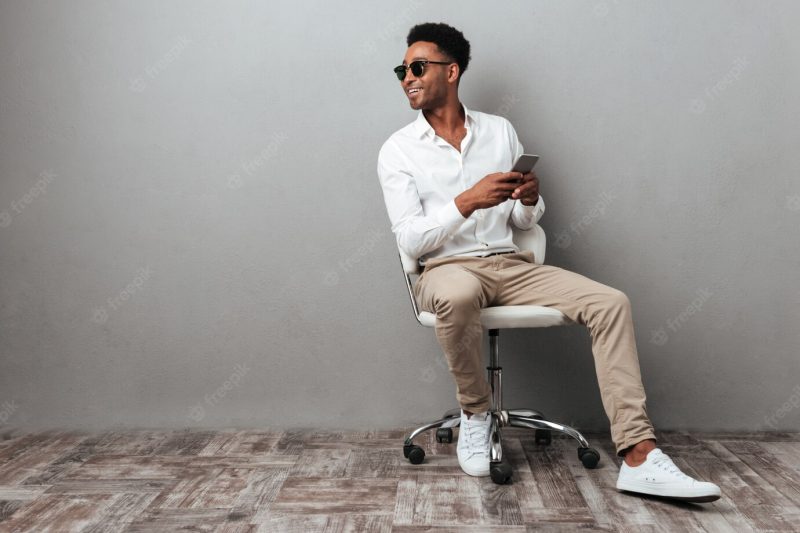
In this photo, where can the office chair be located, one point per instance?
(494, 319)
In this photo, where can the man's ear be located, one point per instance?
(453, 72)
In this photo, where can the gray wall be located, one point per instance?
(192, 233)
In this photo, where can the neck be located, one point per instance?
(449, 117)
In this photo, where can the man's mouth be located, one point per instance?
(414, 90)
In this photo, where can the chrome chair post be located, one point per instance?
(495, 370)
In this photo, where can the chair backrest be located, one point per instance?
(533, 239)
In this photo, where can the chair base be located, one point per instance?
(500, 470)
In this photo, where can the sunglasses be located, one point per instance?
(417, 68)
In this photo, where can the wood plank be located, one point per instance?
(35, 456)
(323, 462)
(406, 495)
(373, 463)
(554, 480)
(611, 508)
(123, 510)
(9, 507)
(167, 467)
(753, 496)
(58, 513)
(262, 488)
(459, 529)
(339, 495)
(758, 457)
(241, 443)
(22, 492)
(184, 443)
(458, 500)
(164, 519)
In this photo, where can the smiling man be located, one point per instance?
(451, 202)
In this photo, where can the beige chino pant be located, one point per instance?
(455, 289)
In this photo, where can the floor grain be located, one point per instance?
(256, 481)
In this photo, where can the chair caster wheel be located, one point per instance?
(414, 453)
(500, 472)
(444, 435)
(589, 457)
(543, 437)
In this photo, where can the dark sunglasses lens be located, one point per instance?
(417, 68)
(401, 72)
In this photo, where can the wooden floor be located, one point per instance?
(243, 481)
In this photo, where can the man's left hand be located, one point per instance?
(528, 190)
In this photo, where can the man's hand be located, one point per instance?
(528, 191)
(492, 190)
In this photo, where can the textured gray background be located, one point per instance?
(192, 233)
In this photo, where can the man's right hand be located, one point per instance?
(492, 190)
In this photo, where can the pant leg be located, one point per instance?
(455, 289)
(607, 314)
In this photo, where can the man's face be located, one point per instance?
(429, 90)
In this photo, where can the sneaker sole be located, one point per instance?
(696, 498)
(475, 473)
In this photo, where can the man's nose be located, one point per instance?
(409, 74)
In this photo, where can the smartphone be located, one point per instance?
(525, 163)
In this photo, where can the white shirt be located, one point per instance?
(421, 174)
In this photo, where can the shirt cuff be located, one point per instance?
(529, 210)
(450, 218)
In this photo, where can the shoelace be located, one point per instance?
(477, 439)
(665, 463)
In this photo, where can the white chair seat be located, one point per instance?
(508, 316)
(511, 316)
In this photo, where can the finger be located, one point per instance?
(508, 188)
(511, 176)
(508, 185)
(526, 186)
(525, 190)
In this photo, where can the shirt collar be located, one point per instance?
(423, 127)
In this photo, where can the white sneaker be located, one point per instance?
(473, 443)
(659, 476)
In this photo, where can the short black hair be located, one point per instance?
(449, 40)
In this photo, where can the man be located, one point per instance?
(451, 202)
